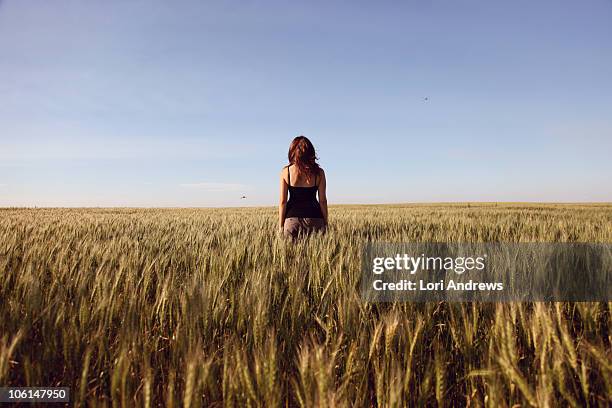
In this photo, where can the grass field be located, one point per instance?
(209, 307)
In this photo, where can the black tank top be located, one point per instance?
(302, 200)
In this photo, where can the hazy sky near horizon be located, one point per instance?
(194, 103)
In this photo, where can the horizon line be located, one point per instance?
(404, 203)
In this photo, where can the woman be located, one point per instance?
(301, 180)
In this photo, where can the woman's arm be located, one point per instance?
(323, 195)
(282, 207)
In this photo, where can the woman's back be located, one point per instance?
(299, 211)
(303, 196)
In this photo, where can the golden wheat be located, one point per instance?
(210, 307)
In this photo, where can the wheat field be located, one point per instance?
(210, 307)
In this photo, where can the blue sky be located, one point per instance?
(194, 103)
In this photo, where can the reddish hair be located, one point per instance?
(302, 154)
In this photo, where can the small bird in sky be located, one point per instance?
(426, 98)
(243, 197)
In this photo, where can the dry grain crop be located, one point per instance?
(209, 307)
